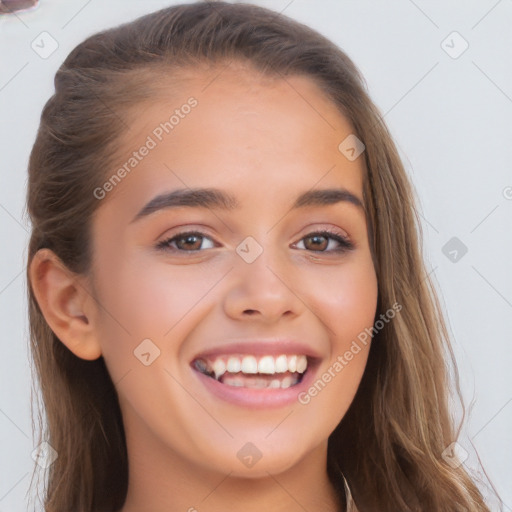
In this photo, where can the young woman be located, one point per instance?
(228, 305)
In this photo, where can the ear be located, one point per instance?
(66, 304)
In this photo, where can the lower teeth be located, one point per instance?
(255, 382)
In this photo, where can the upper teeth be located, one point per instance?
(265, 364)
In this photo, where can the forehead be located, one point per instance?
(235, 128)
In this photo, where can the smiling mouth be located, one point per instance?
(249, 371)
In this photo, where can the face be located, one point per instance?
(227, 318)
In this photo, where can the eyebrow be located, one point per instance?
(213, 198)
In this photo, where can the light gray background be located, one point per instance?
(451, 118)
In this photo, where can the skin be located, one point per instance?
(264, 141)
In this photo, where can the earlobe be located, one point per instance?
(65, 303)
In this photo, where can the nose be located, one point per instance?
(262, 290)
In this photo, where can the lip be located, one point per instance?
(253, 398)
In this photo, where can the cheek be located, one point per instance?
(142, 300)
(148, 299)
(346, 300)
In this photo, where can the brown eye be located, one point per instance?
(321, 241)
(318, 242)
(185, 242)
(189, 242)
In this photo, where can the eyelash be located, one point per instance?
(345, 244)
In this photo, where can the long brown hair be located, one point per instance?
(389, 444)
